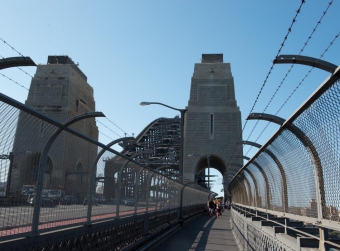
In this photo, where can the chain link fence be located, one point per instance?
(296, 173)
(57, 175)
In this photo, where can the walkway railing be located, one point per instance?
(55, 175)
(296, 173)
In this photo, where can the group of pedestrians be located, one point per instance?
(215, 207)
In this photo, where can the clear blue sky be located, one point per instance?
(133, 51)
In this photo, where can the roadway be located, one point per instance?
(14, 220)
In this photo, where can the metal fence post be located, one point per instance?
(43, 161)
(93, 175)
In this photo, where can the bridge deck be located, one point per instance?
(204, 233)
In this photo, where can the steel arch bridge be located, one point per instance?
(156, 146)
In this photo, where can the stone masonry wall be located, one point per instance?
(61, 92)
(213, 120)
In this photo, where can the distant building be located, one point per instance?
(310, 211)
(59, 90)
(332, 213)
(212, 128)
(313, 206)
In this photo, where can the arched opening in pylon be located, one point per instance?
(207, 179)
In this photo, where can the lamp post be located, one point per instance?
(8, 63)
(10, 157)
(182, 111)
(208, 160)
(9, 175)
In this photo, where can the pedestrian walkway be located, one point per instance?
(204, 233)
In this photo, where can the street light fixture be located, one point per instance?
(182, 111)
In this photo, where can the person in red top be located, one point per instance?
(218, 209)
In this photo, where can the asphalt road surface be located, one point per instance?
(18, 219)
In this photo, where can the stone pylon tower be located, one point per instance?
(212, 121)
(60, 90)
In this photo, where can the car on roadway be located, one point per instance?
(128, 202)
(45, 201)
(101, 199)
(70, 200)
(94, 200)
(28, 193)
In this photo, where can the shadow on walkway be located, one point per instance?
(204, 233)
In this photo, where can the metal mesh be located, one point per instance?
(250, 189)
(320, 123)
(274, 176)
(301, 163)
(300, 194)
(83, 181)
(261, 193)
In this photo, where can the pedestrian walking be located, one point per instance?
(211, 208)
(227, 205)
(218, 209)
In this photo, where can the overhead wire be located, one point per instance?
(271, 68)
(261, 89)
(298, 11)
(299, 84)
(278, 53)
(106, 136)
(108, 128)
(19, 68)
(13, 81)
(11, 47)
(301, 50)
(118, 127)
(22, 56)
(289, 70)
